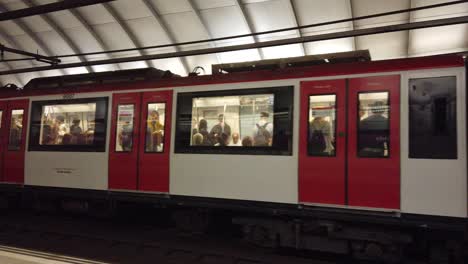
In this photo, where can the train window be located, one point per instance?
(433, 118)
(124, 129)
(1, 115)
(250, 121)
(16, 129)
(373, 124)
(69, 125)
(154, 141)
(322, 125)
(233, 121)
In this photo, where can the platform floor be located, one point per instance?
(12, 255)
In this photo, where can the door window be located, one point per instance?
(322, 125)
(16, 129)
(124, 128)
(373, 124)
(155, 127)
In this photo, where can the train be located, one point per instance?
(367, 158)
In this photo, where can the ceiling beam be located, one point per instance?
(40, 44)
(133, 38)
(264, 44)
(70, 43)
(296, 23)
(353, 23)
(248, 22)
(48, 8)
(408, 35)
(170, 35)
(75, 13)
(205, 27)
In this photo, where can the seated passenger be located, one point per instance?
(247, 142)
(235, 140)
(67, 139)
(197, 139)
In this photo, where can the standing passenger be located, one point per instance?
(221, 132)
(263, 131)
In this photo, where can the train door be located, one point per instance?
(14, 140)
(140, 139)
(349, 150)
(322, 164)
(374, 142)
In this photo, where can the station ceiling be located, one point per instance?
(126, 24)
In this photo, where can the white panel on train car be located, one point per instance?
(271, 178)
(68, 169)
(433, 143)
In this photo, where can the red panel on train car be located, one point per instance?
(374, 142)
(3, 135)
(123, 148)
(322, 142)
(14, 141)
(155, 138)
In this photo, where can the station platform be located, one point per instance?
(12, 255)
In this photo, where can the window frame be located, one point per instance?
(117, 127)
(145, 122)
(283, 102)
(334, 126)
(389, 103)
(102, 109)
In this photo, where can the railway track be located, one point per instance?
(85, 240)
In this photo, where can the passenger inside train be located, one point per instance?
(71, 124)
(155, 128)
(322, 115)
(233, 121)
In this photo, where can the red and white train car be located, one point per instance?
(391, 148)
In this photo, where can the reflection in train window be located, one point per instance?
(16, 129)
(124, 129)
(233, 121)
(373, 124)
(322, 125)
(433, 118)
(155, 127)
(68, 124)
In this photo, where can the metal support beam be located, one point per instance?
(249, 24)
(61, 33)
(41, 45)
(408, 35)
(167, 31)
(329, 36)
(38, 57)
(126, 29)
(48, 8)
(202, 22)
(296, 23)
(353, 23)
(91, 31)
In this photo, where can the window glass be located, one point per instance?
(233, 121)
(16, 129)
(124, 129)
(433, 118)
(68, 124)
(322, 125)
(1, 115)
(155, 127)
(373, 124)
